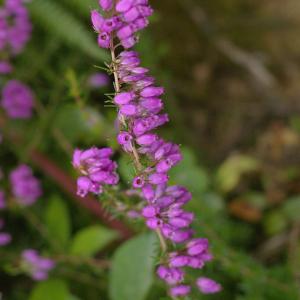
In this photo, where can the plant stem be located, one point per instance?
(162, 241)
(118, 88)
(137, 161)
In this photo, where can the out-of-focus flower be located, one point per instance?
(15, 26)
(17, 100)
(5, 67)
(208, 286)
(5, 237)
(98, 80)
(25, 187)
(37, 266)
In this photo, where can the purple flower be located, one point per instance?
(97, 169)
(5, 238)
(171, 276)
(124, 5)
(17, 100)
(152, 92)
(25, 187)
(125, 140)
(106, 4)
(139, 105)
(98, 80)
(180, 290)
(208, 286)
(104, 40)
(124, 98)
(15, 26)
(127, 18)
(97, 20)
(37, 266)
(5, 67)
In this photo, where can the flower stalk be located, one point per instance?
(139, 106)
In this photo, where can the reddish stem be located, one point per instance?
(69, 186)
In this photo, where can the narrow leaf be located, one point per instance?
(58, 220)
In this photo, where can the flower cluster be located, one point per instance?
(37, 266)
(5, 238)
(15, 29)
(97, 169)
(125, 19)
(139, 103)
(25, 187)
(17, 100)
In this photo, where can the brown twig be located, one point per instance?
(67, 184)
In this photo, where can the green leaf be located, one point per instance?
(131, 274)
(291, 208)
(57, 220)
(230, 172)
(50, 290)
(90, 240)
(83, 6)
(189, 174)
(275, 222)
(56, 19)
(70, 122)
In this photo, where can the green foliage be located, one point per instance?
(291, 209)
(50, 290)
(90, 240)
(188, 173)
(131, 273)
(57, 220)
(230, 172)
(56, 64)
(66, 27)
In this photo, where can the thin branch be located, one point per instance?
(63, 180)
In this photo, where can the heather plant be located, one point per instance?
(139, 105)
(114, 188)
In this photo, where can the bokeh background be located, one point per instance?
(232, 71)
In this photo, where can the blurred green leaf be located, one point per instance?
(275, 222)
(58, 20)
(53, 289)
(69, 121)
(84, 6)
(291, 209)
(189, 174)
(75, 123)
(58, 220)
(295, 123)
(90, 240)
(131, 274)
(230, 172)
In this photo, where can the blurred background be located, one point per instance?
(232, 70)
